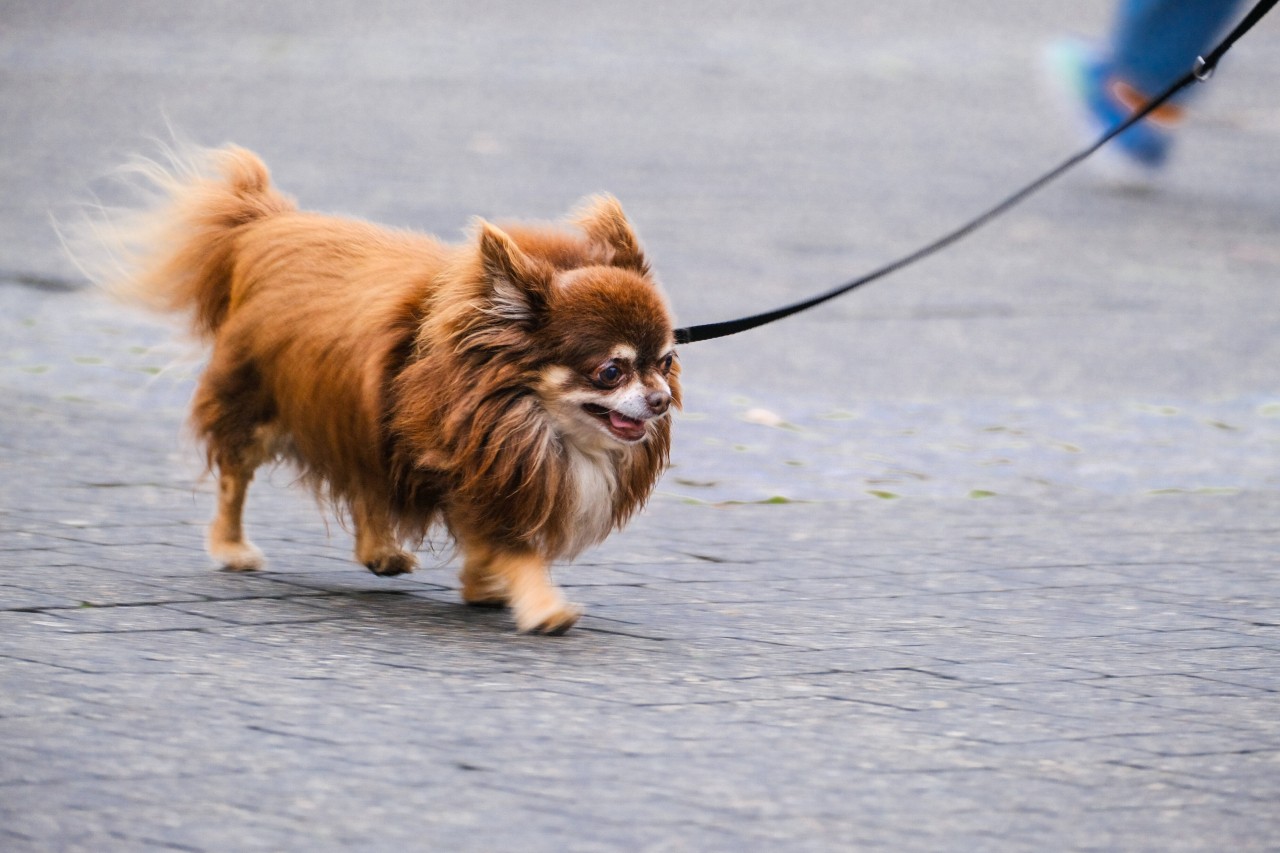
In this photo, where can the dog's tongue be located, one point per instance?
(629, 428)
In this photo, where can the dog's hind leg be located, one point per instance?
(376, 546)
(229, 412)
(227, 543)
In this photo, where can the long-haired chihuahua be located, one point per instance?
(513, 390)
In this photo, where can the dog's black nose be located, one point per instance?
(658, 401)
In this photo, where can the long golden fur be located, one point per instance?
(512, 389)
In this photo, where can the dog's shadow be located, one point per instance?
(414, 608)
(352, 597)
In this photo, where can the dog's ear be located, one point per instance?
(602, 219)
(518, 284)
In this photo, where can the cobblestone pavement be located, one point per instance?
(981, 559)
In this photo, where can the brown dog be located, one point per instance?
(514, 389)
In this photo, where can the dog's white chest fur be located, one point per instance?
(593, 479)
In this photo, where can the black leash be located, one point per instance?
(1200, 71)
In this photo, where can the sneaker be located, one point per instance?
(1104, 101)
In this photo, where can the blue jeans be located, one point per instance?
(1154, 42)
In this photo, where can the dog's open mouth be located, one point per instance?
(619, 425)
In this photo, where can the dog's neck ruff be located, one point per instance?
(592, 478)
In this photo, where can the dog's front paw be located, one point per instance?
(392, 563)
(237, 556)
(552, 620)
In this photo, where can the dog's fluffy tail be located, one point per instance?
(177, 253)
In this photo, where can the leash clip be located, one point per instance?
(1202, 69)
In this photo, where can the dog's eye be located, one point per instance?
(668, 362)
(609, 375)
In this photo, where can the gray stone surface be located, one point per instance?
(981, 558)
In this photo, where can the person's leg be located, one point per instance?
(1151, 44)
(1154, 42)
